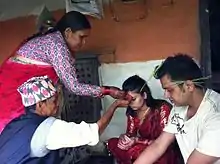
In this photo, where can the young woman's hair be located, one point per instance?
(138, 85)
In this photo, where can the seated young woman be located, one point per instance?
(146, 118)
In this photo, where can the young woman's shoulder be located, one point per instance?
(163, 103)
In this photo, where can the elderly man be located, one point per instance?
(36, 136)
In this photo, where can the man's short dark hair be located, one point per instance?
(180, 67)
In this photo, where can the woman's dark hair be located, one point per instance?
(138, 85)
(73, 20)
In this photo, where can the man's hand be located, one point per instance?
(156, 149)
(121, 103)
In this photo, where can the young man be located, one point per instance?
(36, 136)
(195, 118)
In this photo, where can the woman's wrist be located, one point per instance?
(105, 90)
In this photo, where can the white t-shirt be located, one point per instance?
(54, 134)
(202, 131)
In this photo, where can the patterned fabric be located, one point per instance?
(146, 132)
(12, 75)
(36, 89)
(53, 50)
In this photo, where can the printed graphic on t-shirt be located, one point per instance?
(178, 122)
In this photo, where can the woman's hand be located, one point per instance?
(116, 93)
(126, 142)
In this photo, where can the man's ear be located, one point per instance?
(190, 85)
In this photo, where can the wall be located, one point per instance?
(166, 30)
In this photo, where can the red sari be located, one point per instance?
(12, 75)
(150, 129)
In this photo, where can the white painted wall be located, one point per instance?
(115, 74)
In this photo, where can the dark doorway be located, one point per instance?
(214, 25)
(209, 16)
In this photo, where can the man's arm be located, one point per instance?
(64, 134)
(208, 149)
(154, 151)
(107, 116)
(197, 157)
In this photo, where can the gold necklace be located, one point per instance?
(144, 114)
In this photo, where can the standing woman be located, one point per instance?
(47, 54)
